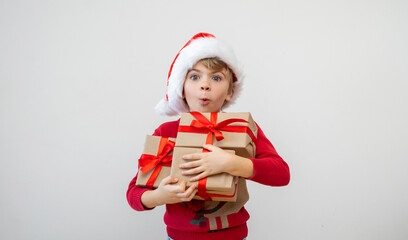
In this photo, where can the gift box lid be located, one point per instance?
(231, 139)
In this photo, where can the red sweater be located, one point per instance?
(269, 169)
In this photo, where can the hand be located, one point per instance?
(169, 192)
(208, 163)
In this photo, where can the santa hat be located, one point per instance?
(202, 45)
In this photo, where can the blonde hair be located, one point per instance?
(215, 64)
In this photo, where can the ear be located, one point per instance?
(229, 95)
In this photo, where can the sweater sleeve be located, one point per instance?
(134, 193)
(269, 168)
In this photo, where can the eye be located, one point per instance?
(216, 78)
(194, 77)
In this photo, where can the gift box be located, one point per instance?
(155, 162)
(219, 187)
(221, 196)
(235, 131)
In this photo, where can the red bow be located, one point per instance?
(147, 161)
(211, 126)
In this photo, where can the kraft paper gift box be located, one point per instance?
(236, 131)
(220, 196)
(155, 162)
(219, 187)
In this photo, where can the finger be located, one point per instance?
(169, 180)
(190, 197)
(177, 189)
(191, 164)
(210, 147)
(193, 194)
(199, 177)
(183, 186)
(192, 171)
(190, 190)
(192, 156)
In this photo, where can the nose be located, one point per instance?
(205, 85)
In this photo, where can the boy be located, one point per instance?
(206, 77)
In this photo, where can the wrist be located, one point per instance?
(240, 166)
(230, 164)
(151, 199)
(157, 198)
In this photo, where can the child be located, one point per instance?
(206, 77)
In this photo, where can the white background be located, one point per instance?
(326, 81)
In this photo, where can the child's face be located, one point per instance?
(205, 90)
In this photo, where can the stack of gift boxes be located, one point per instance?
(234, 132)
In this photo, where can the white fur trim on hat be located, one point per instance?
(202, 45)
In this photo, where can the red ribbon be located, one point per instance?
(210, 127)
(147, 161)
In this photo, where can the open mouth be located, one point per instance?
(204, 101)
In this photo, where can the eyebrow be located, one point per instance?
(200, 71)
(194, 70)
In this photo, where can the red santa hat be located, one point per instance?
(202, 45)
